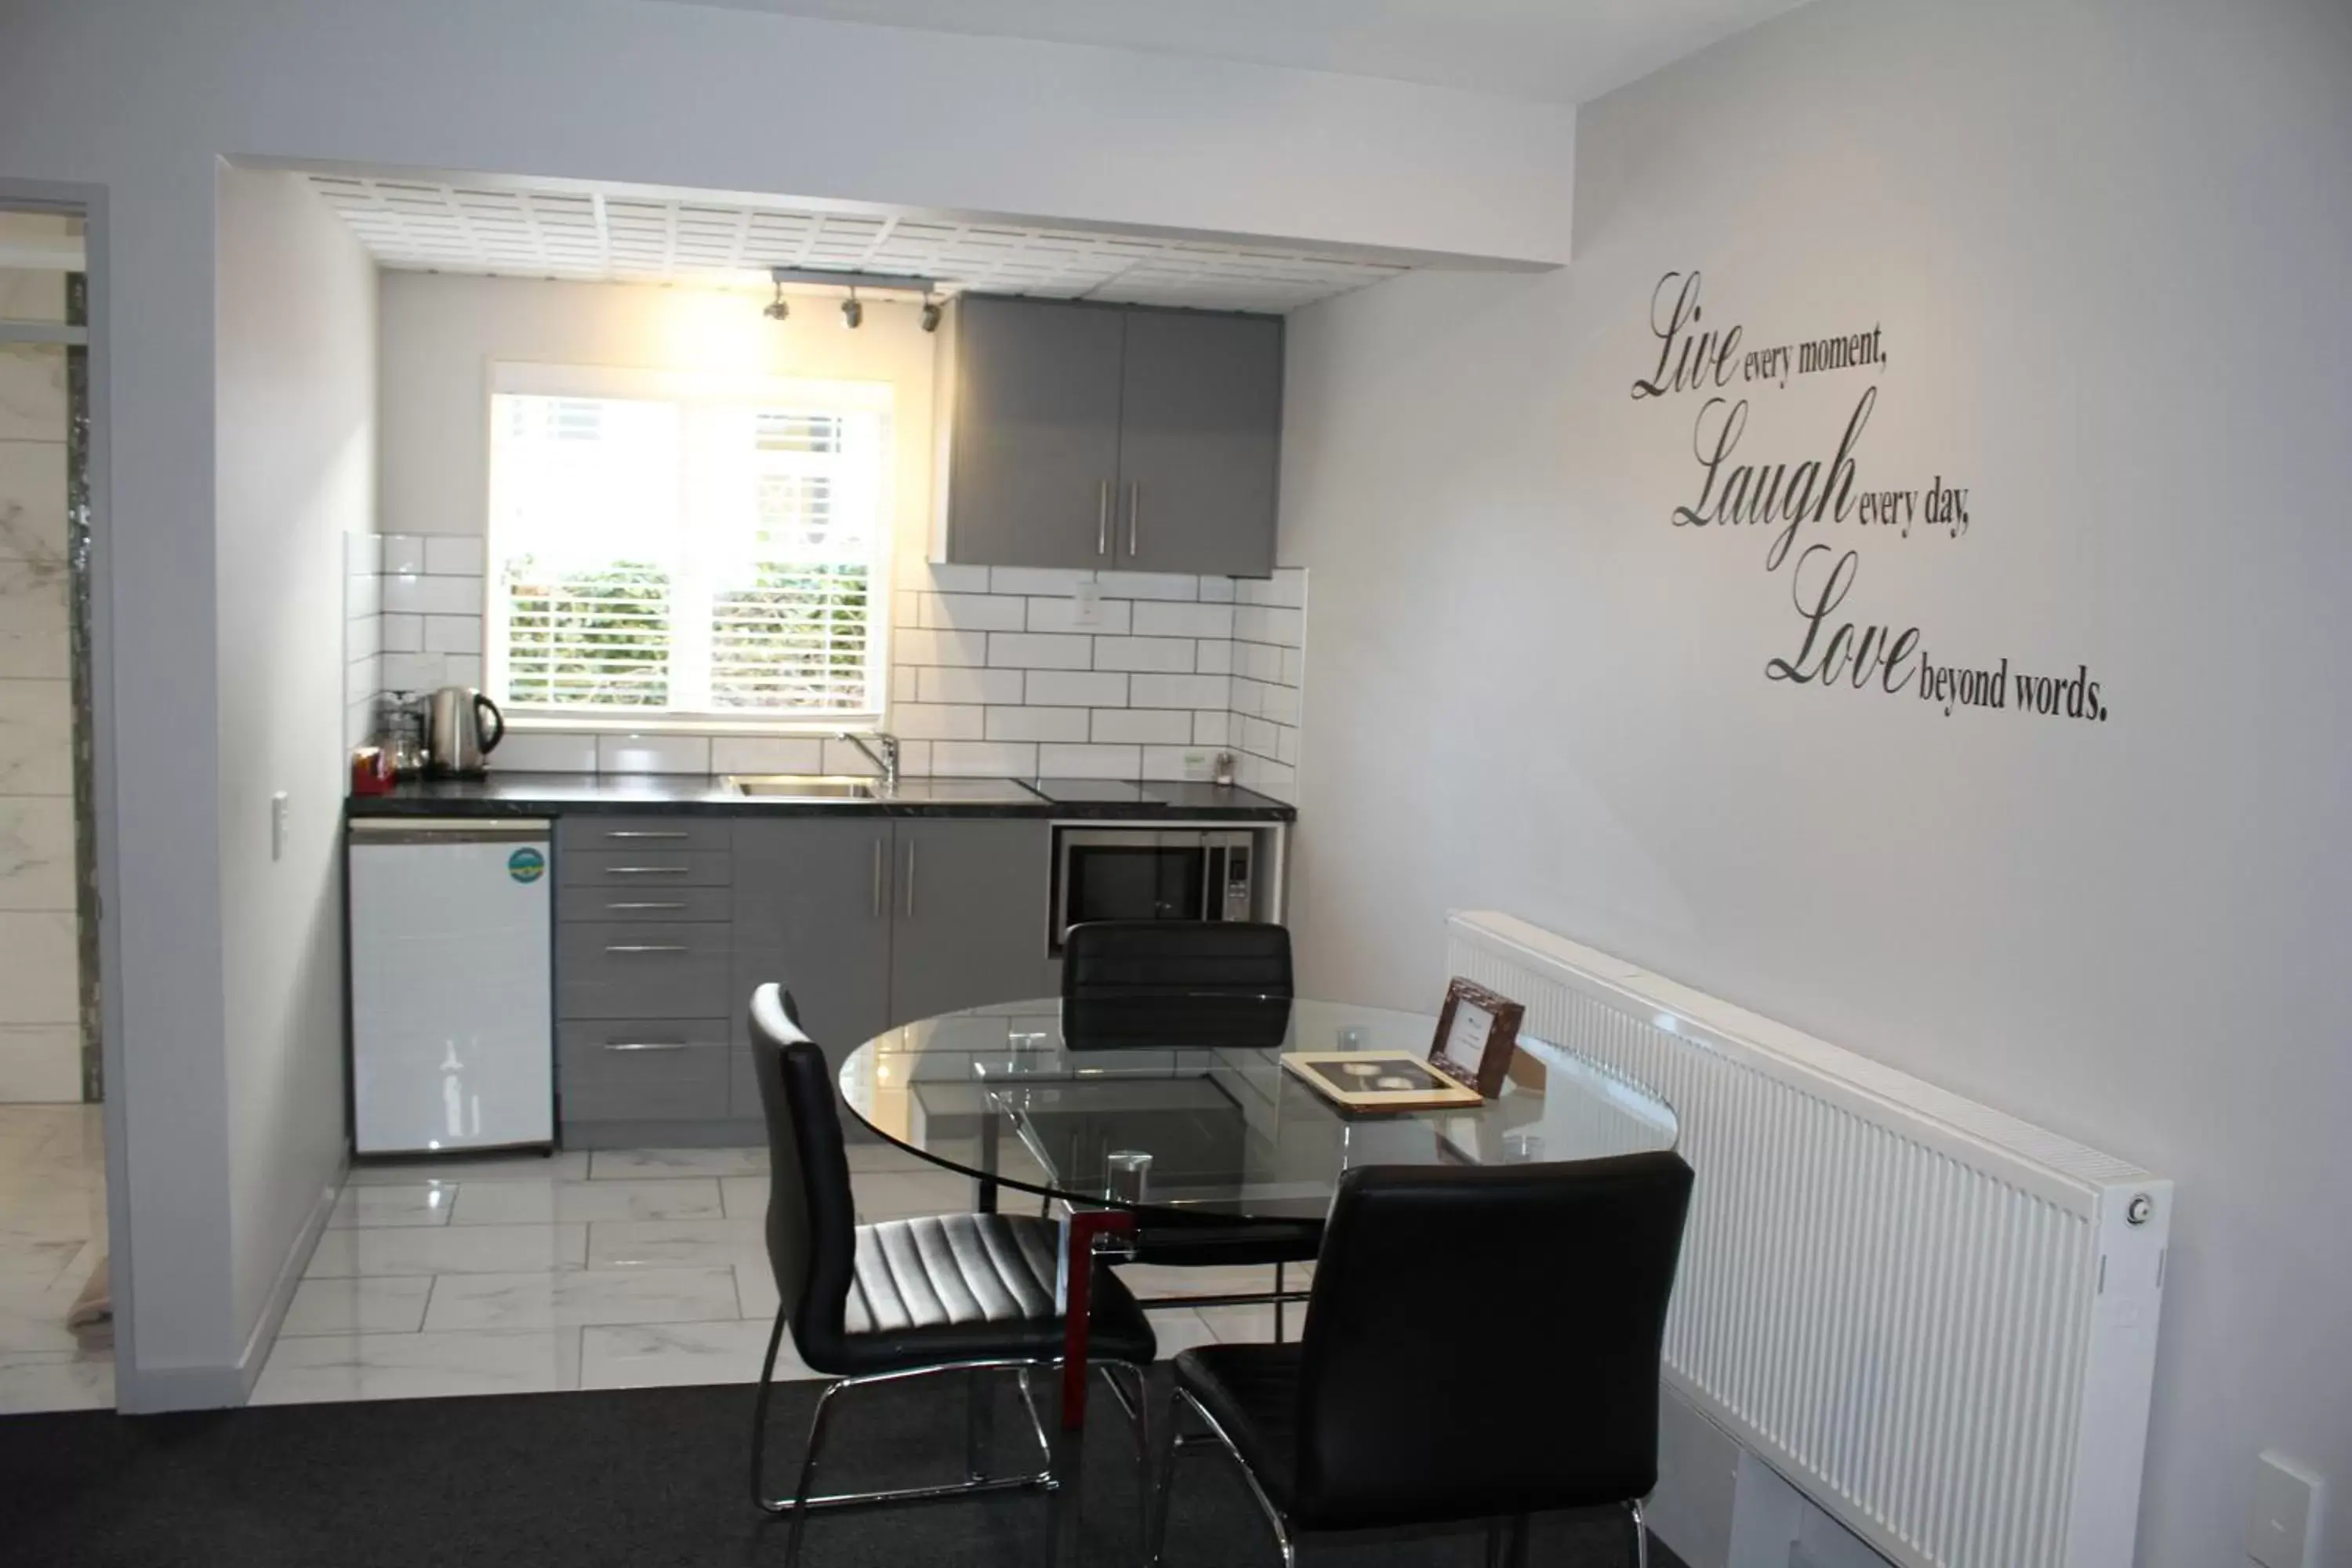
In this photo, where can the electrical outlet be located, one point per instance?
(1085, 606)
(2282, 1526)
(278, 825)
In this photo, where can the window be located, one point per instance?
(667, 548)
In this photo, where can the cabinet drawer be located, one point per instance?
(584, 834)
(646, 867)
(643, 969)
(643, 1070)
(576, 904)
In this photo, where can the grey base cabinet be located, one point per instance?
(974, 899)
(812, 913)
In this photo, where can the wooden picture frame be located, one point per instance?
(1378, 1080)
(1488, 1029)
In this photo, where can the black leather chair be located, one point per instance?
(1157, 985)
(1482, 1343)
(876, 1303)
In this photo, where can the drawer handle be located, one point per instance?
(646, 1046)
(647, 904)
(645, 833)
(644, 947)
(646, 872)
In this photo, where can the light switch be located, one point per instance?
(1085, 606)
(2283, 1528)
(278, 825)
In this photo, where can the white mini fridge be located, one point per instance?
(452, 1016)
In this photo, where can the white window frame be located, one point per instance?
(537, 380)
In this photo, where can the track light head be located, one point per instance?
(776, 310)
(853, 314)
(930, 314)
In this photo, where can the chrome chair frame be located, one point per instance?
(1507, 1539)
(800, 1505)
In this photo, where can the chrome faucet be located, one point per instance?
(887, 759)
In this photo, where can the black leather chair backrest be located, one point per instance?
(1484, 1340)
(1151, 984)
(1178, 958)
(811, 1215)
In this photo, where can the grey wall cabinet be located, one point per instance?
(1108, 437)
(813, 911)
(971, 906)
(1199, 439)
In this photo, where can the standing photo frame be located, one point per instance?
(1476, 1034)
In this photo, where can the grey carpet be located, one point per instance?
(643, 1478)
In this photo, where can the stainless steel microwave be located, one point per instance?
(1157, 873)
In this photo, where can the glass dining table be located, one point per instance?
(1183, 1109)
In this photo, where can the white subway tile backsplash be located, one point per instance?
(909, 611)
(1112, 616)
(1177, 763)
(974, 613)
(1160, 619)
(1211, 726)
(545, 752)
(412, 594)
(360, 680)
(1142, 726)
(905, 684)
(414, 671)
(652, 754)
(1035, 650)
(453, 554)
(1037, 724)
(1215, 657)
(940, 647)
(404, 633)
(362, 638)
(983, 758)
(453, 634)
(1294, 667)
(1216, 589)
(1263, 624)
(1147, 585)
(1249, 697)
(1257, 736)
(1285, 741)
(402, 553)
(938, 722)
(839, 756)
(462, 670)
(766, 753)
(1164, 655)
(1259, 661)
(1279, 704)
(1077, 688)
(363, 554)
(362, 596)
(1049, 582)
(940, 577)
(948, 685)
(1178, 691)
(1089, 762)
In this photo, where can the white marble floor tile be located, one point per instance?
(381, 1306)
(33, 1314)
(745, 1197)
(675, 1243)
(571, 1165)
(65, 1380)
(44, 1260)
(376, 1209)
(1181, 1329)
(448, 1249)
(905, 1195)
(755, 1290)
(672, 1354)
(1155, 1280)
(1250, 1325)
(520, 1203)
(886, 1157)
(611, 1164)
(580, 1298)
(418, 1367)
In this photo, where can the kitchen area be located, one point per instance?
(862, 632)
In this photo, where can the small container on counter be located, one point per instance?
(371, 771)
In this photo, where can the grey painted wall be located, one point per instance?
(2106, 243)
(296, 436)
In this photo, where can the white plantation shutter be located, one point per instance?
(693, 550)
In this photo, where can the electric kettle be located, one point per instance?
(463, 728)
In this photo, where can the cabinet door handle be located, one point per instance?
(1102, 519)
(646, 1046)
(646, 904)
(877, 879)
(1134, 517)
(910, 880)
(646, 871)
(644, 947)
(621, 833)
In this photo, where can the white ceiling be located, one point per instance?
(1562, 51)
(513, 228)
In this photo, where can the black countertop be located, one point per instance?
(693, 794)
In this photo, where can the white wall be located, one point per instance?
(141, 100)
(296, 443)
(2106, 243)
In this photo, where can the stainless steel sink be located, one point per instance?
(799, 786)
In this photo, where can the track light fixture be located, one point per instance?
(776, 310)
(930, 313)
(853, 314)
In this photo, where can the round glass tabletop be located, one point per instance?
(1197, 1115)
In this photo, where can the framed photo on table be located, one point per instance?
(1476, 1033)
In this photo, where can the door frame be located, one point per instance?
(89, 201)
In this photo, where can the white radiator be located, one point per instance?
(1938, 1321)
